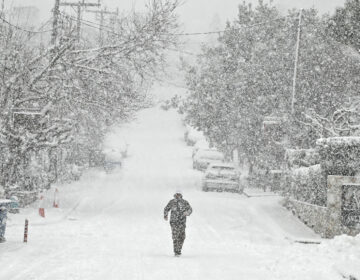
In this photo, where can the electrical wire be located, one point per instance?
(92, 24)
(224, 30)
(109, 29)
(183, 34)
(22, 29)
(101, 27)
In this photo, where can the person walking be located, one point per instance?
(180, 209)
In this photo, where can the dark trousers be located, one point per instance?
(178, 236)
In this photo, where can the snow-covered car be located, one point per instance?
(165, 105)
(201, 144)
(204, 157)
(193, 135)
(113, 160)
(109, 166)
(14, 205)
(222, 176)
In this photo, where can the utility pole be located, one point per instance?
(56, 12)
(113, 19)
(2, 8)
(296, 64)
(102, 13)
(79, 5)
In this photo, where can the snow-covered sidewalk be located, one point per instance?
(110, 226)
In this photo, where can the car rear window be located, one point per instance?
(221, 168)
(212, 155)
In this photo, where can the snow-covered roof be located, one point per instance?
(196, 135)
(202, 143)
(209, 153)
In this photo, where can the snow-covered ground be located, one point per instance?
(110, 226)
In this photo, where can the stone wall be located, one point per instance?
(314, 216)
(326, 221)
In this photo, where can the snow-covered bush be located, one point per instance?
(175, 101)
(340, 155)
(301, 158)
(69, 172)
(308, 184)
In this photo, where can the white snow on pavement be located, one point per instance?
(110, 226)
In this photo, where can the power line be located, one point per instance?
(22, 29)
(224, 30)
(102, 13)
(91, 24)
(87, 23)
(182, 51)
(79, 5)
(98, 27)
(110, 29)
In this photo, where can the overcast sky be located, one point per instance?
(196, 15)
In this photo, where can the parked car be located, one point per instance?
(204, 157)
(165, 105)
(14, 205)
(110, 166)
(201, 144)
(113, 159)
(221, 176)
(23, 198)
(193, 135)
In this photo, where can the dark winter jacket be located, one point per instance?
(3, 218)
(180, 209)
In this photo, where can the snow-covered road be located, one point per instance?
(110, 226)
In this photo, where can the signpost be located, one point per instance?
(26, 229)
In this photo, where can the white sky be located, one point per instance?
(196, 15)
